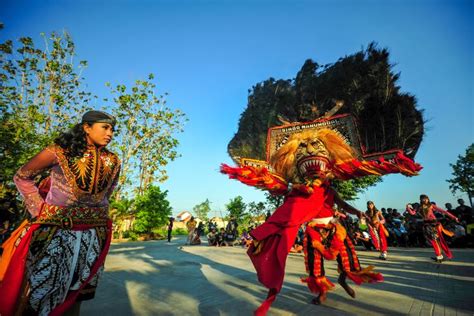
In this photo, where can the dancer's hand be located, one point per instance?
(339, 214)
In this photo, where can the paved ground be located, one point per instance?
(157, 278)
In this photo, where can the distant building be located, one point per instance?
(184, 216)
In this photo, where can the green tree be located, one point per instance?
(463, 174)
(237, 208)
(202, 210)
(273, 201)
(256, 209)
(119, 211)
(349, 189)
(145, 135)
(41, 92)
(153, 210)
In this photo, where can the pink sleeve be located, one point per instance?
(25, 179)
(440, 210)
(411, 210)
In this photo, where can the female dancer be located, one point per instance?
(377, 230)
(53, 261)
(432, 228)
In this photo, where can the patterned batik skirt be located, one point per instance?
(59, 261)
(51, 263)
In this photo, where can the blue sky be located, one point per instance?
(207, 54)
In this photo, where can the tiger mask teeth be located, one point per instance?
(310, 167)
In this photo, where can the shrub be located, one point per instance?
(179, 231)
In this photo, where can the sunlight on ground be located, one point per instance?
(125, 263)
(144, 300)
(163, 279)
(115, 250)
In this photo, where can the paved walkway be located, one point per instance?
(157, 278)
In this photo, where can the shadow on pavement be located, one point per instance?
(157, 278)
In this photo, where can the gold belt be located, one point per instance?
(69, 217)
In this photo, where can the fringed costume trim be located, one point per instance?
(318, 285)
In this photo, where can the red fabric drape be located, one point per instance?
(11, 285)
(278, 235)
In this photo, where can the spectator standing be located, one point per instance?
(191, 226)
(170, 228)
(464, 213)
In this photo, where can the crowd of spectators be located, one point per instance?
(228, 236)
(406, 230)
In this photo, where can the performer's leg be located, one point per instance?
(374, 237)
(346, 263)
(349, 263)
(430, 231)
(342, 280)
(319, 266)
(383, 242)
(314, 262)
(443, 243)
(437, 249)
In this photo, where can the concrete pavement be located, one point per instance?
(157, 278)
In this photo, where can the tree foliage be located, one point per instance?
(202, 210)
(146, 133)
(41, 93)
(273, 201)
(119, 211)
(153, 209)
(256, 209)
(237, 208)
(463, 174)
(349, 189)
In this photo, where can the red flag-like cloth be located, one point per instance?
(278, 236)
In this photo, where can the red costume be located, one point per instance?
(309, 155)
(433, 230)
(377, 230)
(277, 235)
